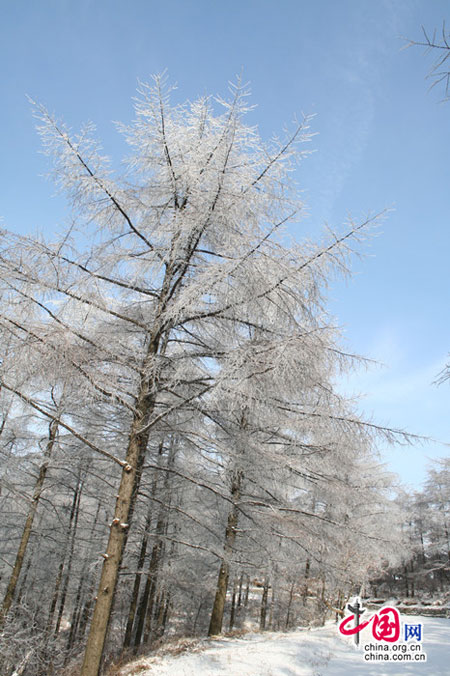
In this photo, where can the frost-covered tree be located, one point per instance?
(423, 571)
(437, 496)
(175, 313)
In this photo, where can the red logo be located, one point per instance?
(385, 623)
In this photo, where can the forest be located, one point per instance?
(177, 458)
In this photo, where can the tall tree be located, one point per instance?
(173, 292)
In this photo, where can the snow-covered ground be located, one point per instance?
(315, 652)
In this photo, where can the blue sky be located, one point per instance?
(382, 141)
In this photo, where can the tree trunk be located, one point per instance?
(272, 605)
(422, 548)
(62, 602)
(247, 589)
(126, 498)
(263, 613)
(161, 615)
(32, 550)
(142, 610)
(233, 605)
(144, 614)
(146, 604)
(151, 600)
(305, 587)
(10, 591)
(165, 617)
(137, 583)
(84, 618)
(132, 469)
(241, 579)
(59, 576)
(215, 625)
(288, 614)
(77, 610)
(197, 615)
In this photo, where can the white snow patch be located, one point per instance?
(315, 652)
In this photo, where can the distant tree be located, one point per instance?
(424, 569)
(437, 495)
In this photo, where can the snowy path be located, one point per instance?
(318, 652)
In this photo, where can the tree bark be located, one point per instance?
(132, 469)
